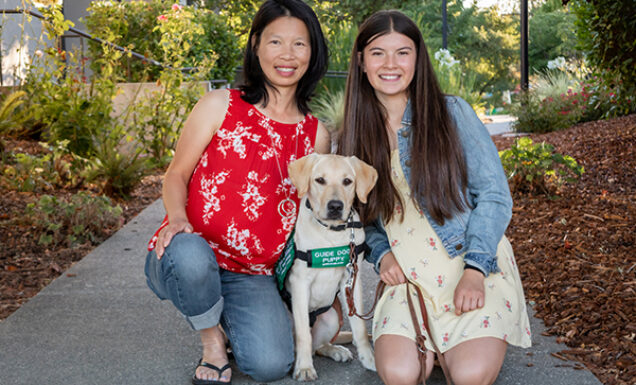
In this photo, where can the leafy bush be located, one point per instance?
(82, 218)
(10, 117)
(158, 118)
(558, 100)
(115, 168)
(543, 115)
(605, 31)
(70, 106)
(537, 168)
(134, 25)
(35, 173)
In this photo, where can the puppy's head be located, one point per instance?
(331, 183)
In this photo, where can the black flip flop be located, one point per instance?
(198, 381)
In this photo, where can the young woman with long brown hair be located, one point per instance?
(437, 215)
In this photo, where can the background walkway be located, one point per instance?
(99, 324)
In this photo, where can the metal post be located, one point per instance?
(524, 44)
(444, 26)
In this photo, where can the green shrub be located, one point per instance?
(547, 114)
(606, 34)
(134, 25)
(117, 169)
(537, 168)
(69, 105)
(557, 100)
(36, 173)
(79, 219)
(158, 118)
(11, 117)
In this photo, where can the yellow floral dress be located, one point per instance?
(425, 262)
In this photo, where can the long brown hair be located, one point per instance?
(438, 168)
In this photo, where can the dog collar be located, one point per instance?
(349, 225)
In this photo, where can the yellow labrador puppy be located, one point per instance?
(328, 185)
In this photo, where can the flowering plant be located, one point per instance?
(453, 80)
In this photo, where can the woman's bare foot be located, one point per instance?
(214, 352)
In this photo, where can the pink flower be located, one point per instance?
(574, 101)
(563, 112)
(176, 7)
(611, 94)
(162, 17)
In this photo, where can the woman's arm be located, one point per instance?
(489, 194)
(376, 239)
(488, 190)
(202, 123)
(323, 140)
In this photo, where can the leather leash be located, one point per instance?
(419, 340)
(352, 268)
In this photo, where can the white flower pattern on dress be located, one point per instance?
(234, 139)
(252, 198)
(242, 240)
(209, 188)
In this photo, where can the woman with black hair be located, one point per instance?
(230, 203)
(436, 217)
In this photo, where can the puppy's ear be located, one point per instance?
(366, 176)
(300, 173)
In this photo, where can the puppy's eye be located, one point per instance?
(347, 181)
(320, 180)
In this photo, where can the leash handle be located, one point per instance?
(351, 282)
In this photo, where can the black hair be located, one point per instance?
(254, 81)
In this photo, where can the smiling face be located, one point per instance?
(331, 183)
(284, 51)
(389, 63)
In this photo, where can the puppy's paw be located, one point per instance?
(305, 374)
(336, 352)
(367, 359)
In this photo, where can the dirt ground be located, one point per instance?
(575, 250)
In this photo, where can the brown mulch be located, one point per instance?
(575, 250)
(27, 267)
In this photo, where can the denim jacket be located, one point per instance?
(473, 233)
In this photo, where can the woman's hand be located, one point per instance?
(165, 235)
(390, 271)
(469, 293)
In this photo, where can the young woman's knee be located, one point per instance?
(471, 374)
(397, 372)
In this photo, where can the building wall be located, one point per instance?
(18, 44)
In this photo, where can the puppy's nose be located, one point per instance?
(335, 207)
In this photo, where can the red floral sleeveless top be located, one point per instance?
(236, 188)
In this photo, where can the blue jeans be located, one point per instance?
(248, 307)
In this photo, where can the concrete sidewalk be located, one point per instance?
(498, 124)
(99, 324)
